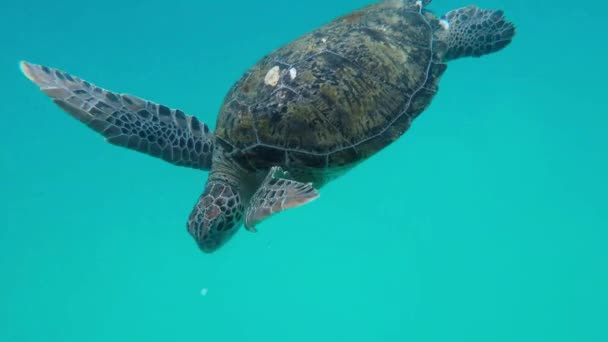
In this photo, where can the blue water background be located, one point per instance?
(487, 222)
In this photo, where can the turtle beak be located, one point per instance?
(210, 233)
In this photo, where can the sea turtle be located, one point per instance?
(302, 116)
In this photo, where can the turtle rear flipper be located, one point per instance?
(277, 193)
(474, 32)
(126, 120)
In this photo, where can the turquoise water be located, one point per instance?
(486, 222)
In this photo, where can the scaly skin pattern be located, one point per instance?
(335, 96)
(476, 32)
(127, 120)
(216, 217)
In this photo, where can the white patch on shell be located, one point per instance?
(324, 40)
(293, 73)
(444, 24)
(273, 76)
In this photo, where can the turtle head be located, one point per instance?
(217, 215)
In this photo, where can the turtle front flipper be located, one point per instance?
(126, 120)
(277, 193)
